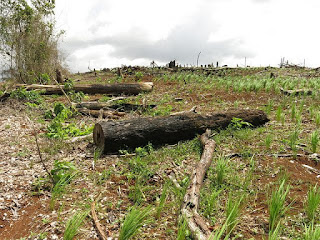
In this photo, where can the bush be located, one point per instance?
(28, 96)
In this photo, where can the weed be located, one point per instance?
(314, 140)
(183, 231)
(293, 111)
(238, 123)
(74, 224)
(277, 206)
(293, 139)
(57, 127)
(76, 96)
(274, 235)
(210, 203)
(313, 202)
(59, 188)
(233, 208)
(221, 168)
(268, 141)
(317, 119)
(312, 232)
(162, 200)
(279, 114)
(134, 221)
(62, 169)
(217, 235)
(29, 96)
(138, 76)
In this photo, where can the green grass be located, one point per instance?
(221, 169)
(311, 232)
(134, 221)
(314, 140)
(74, 224)
(162, 200)
(233, 208)
(313, 202)
(277, 206)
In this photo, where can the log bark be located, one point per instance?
(197, 225)
(112, 89)
(112, 136)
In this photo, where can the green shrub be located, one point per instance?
(28, 96)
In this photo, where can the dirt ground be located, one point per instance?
(25, 215)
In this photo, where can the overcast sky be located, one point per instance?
(106, 33)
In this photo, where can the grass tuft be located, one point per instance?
(277, 206)
(312, 203)
(73, 224)
(133, 222)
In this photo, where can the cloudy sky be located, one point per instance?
(106, 33)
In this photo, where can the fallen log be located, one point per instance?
(101, 113)
(296, 92)
(114, 135)
(124, 107)
(112, 89)
(197, 225)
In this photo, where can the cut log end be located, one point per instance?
(98, 136)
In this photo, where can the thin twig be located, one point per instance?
(63, 92)
(35, 133)
(96, 221)
(40, 156)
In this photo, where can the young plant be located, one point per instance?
(277, 206)
(74, 224)
(313, 202)
(293, 139)
(211, 202)
(217, 235)
(233, 208)
(162, 200)
(221, 169)
(274, 235)
(293, 111)
(314, 139)
(268, 141)
(279, 114)
(183, 231)
(133, 222)
(312, 232)
(317, 119)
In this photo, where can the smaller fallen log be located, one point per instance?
(296, 92)
(101, 113)
(123, 107)
(111, 136)
(197, 225)
(112, 89)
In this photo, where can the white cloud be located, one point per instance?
(111, 33)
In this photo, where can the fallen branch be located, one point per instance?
(76, 139)
(101, 113)
(296, 92)
(96, 222)
(197, 225)
(192, 110)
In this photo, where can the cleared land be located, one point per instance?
(249, 164)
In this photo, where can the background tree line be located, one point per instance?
(28, 40)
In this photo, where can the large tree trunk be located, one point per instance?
(112, 136)
(114, 89)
